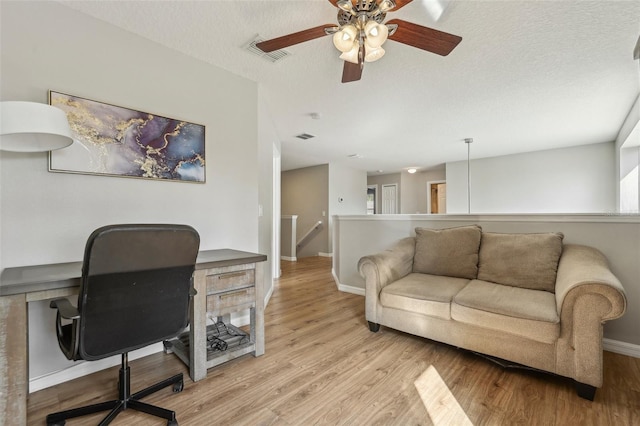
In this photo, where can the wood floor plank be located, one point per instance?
(438, 399)
(323, 366)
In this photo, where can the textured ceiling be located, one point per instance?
(528, 75)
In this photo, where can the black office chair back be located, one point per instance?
(136, 284)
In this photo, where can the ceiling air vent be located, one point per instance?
(305, 136)
(274, 56)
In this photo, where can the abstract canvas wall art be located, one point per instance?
(115, 141)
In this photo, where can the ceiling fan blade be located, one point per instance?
(436, 8)
(424, 38)
(351, 72)
(400, 4)
(295, 38)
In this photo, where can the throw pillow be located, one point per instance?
(451, 252)
(521, 260)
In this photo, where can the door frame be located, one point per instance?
(429, 183)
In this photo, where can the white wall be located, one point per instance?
(388, 179)
(409, 188)
(46, 217)
(269, 150)
(347, 193)
(412, 189)
(311, 191)
(629, 180)
(569, 180)
(420, 189)
(627, 150)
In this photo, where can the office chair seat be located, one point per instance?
(137, 283)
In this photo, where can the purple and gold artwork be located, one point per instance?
(115, 141)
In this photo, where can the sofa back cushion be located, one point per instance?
(451, 252)
(520, 260)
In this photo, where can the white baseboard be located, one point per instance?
(350, 289)
(321, 254)
(622, 348)
(267, 297)
(346, 288)
(84, 368)
(290, 259)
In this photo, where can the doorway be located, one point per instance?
(437, 197)
(372, 199)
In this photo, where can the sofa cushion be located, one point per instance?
(422, 293)
(451, 252)
(520, 260)
(520, 311)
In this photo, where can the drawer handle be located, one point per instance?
(233, 293)
(231, 275)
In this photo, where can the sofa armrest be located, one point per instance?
(383, 268)
(584, 270)
(587, 295)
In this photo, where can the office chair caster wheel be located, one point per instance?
(58, 423)
(178, 387)
(172, 423)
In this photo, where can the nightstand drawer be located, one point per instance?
(230, 280)
(231, 301)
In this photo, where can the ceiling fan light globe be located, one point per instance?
(345, 5)
(339, 42)
(372, 54)
(344, 39)
(376, 34)
(386, 5)
(352, 55)
(351, 30)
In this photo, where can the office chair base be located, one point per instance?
(125, 401)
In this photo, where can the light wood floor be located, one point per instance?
(323, 366)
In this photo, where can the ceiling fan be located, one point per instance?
(361, 33)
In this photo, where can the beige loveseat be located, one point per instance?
(526, 298)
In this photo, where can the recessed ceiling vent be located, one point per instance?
(305, 136)
(274, 56)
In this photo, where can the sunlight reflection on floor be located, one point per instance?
(440, 403)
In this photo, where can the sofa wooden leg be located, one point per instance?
(373, 326)
(586, 391)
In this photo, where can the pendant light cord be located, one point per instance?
(468, 141)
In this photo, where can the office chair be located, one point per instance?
(135, 290)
